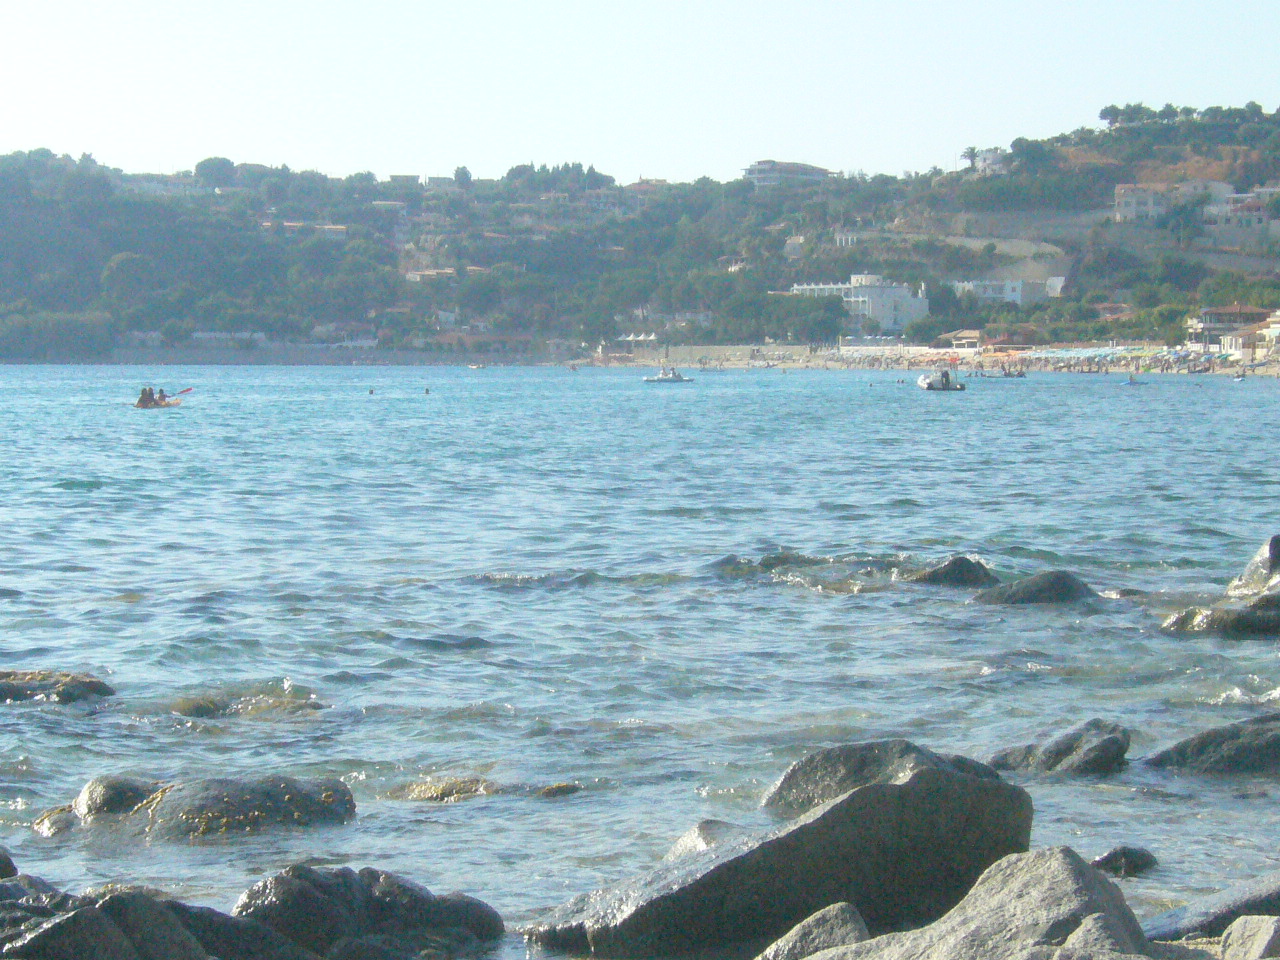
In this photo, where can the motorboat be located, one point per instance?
(939, 380)
(671, 375)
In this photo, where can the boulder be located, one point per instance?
(827, 774)
(1093, 748)
(955, 572)
(7, 868)
(1251, 746)
(1259, 618)
(838, 925)
(50, 685)
(901, 852)
(236, 938)
(153, 930)
(1125, 861)
(318, 909)
(1045, 904)
(85, 932)
(222, 806)
(1262, 573)
(1054, 586)
(1251, 938)
(108, 795)
(1210, 916)
(703, 835)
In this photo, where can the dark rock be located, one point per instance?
(956, 572)
(1093, 748)
(202, 808)
(1048, 899)
(236, 938)
(1210, 916)
(1125, 861)
(7, 868)
(902, 853)
(1251, 746)
(50, 685)
(153, 930)
(703, 835)
(34, 892)
(1261, 574)
(838, 925)
(1054, 586)
(551, 791)
(106, 795)
(86, 932)
(1261, 618)
(827, 774)
(319, 909)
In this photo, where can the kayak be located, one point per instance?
(159, 403)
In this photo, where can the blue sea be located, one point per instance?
(402, 576)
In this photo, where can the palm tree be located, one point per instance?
(971, 154)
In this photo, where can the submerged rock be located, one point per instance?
(703, 835)
(322, 909)
(221, 806)
(1053, 586)
(1262, 573)
(1032, 906)
(1260, 618)
(1210, 916)
(1096, 747)
(1125, 861)
(838, 925)
(827, 774)
(50, 685)
(956, 572)
(448, 790)
(203, 808)
(901, 852)
(1251, 746)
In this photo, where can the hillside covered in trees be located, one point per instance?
(91, 257)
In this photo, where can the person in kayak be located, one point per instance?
(161, 397)
(147, 398)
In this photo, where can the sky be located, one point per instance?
(657, 89)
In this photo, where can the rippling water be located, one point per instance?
(515, 577)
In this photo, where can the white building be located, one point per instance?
(868, 296)
(1022, 293)
(1136, 202)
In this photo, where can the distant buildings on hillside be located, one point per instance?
(1227, 218)
(869, 296)
(773, 173)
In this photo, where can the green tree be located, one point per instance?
(216, 172)
(462, 177)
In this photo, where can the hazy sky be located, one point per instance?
(674, 90)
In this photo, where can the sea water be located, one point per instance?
(405, 575)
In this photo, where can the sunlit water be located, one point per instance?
(514, 577)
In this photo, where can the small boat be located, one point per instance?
(669, 376)
(939, 380)
(159, 404)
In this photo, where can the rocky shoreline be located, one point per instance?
(882, 849)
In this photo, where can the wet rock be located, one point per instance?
(703, 835)
(1125, 861)
(827, 774)
(1262, 573)
(153, 930)
(214, 807)
(50, 685)
(27, 902)
(319, 909)
(7, 867)
(838, 925)
(554, 790)
(1210, 916)
(956, 572)
(1093, 748)
(448, 790)
(1251, 746)
(1252, 938)
(236, 938)
(1260, 618)
(85, 932)
(109, 794)
(57, 821)
(902, 853)
(1054, 586)
(1044, 905)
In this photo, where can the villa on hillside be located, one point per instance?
(1022, 293)
(772, 173)
(869, 296)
